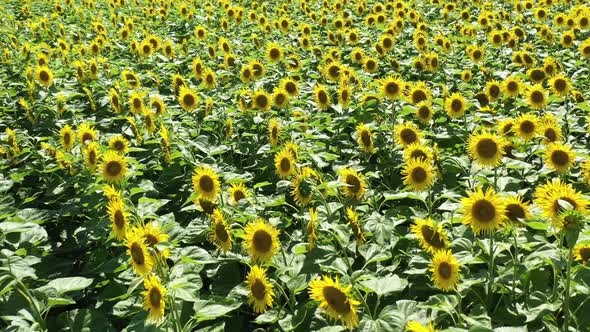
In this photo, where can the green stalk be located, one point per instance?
(514, 267)
(566, 302)
(491, 273)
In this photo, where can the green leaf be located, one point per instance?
(66, 285)
(215, 307)
(384, 286)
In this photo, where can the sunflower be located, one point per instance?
(261, 293)
(136, 102)
(332, 71)
(146, 48)
(493, 90)
(511, 86)
(119, 143)
(280, 97)
(261, 100)
(274, 52)
(302, 185)
(115, 100)
(517, 209)
(154, 298)
(581, 253)
(550, 130)
(206, 183)
(284, 163)
(424, 112)
(290, 85)
(139, 257)
(86, 133)
(335, 300)
(392, 87)
(419, 92)
(111, 192)
(364, 137)
(455, 105)
(407, 133)
(445, 270)
(559, 157)
(567, 39)
(92, 153)
(274, 131)
(44, 76)
(432, 237)
(187, 98)
(67, 137)
(258, 68)
(466, 76)
(246, 74)
(415, 326)
(475, 53)
(292, 148)
(584, 48)
(238, 192)
(344, 95)
(486, 149)
(556, 197)
(537, 75)
(417, 151)
(370, 64)
(560, 85)
(357, 230)
(312, 229)
(536, 97)
(483, 211)
(118, 218)
(585, 171)
(354, 185)
(114, 167)
(321, 96)
(209, 79)
(220, 232)
(526, 126)
(262, 241)
(418, 174)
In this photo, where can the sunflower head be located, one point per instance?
(154, 295)
(114, 167)
(555, 198)
(353, 184)
(526, 126)
(517, 209)
(261, 290)
(335, 300)
(511, 86)
(392, 87)
(284, 163)
(560, 85)
(424, 112)
(432, 236)
(484, 211)
(237, 192)
(455, 105)
(67, 137)
(119, 143)
(418, 174)
(220, 233)
(86, 133)
(206, 183)
(559, 157)
(364, 137)
(118, 218)
(303, 184)
(262, 241)
(486, 149)
(44, 76)
(187, 98)
(537, 97)
(407, 133)
(445, 270)
(321, 96)
(138, 254)
(581, 253)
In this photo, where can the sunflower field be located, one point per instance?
(294, 165)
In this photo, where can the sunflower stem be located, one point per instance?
(566, 301)
(491, 274)
(514, 265)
